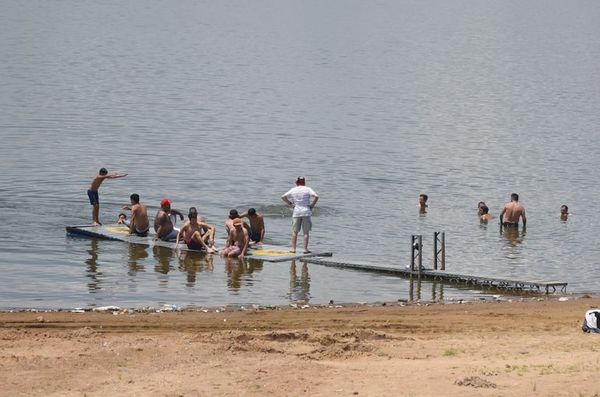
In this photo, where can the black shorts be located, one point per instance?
(254, 236)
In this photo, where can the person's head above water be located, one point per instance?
(484, 209)
(237, 222)
(300, 181)
(564, 210)
(251, 212)
(514, 197)
(103, 171)
(233, 214)
(135, 198)
(192, 213)
(480, 205)
(423, 198)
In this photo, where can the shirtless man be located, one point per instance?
(194, 235)
(423, 203)
(93, 192)
(509, 217)
(163, 226)
(233, 215)
(564, 212)
(257, 225)
(237, 242)
(139, 224)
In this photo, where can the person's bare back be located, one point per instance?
(512, 212)
(139, 218)
(139, 223)
(257, 225)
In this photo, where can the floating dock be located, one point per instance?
(483, 282)
(117, 232)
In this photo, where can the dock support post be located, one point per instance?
(416, 252)
(437, 258)
(420, 254)
(435, 250)
(443, 250)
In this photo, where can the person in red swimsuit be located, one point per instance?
(198, 236)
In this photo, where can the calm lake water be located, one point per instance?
(221, 105)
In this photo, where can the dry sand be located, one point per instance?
(528, 348)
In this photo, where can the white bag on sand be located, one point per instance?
(591, 321)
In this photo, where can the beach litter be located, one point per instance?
(106, 309)
(591, 321)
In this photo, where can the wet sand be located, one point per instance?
(522, 348)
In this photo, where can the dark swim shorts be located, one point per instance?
(254, 236)
(93, 196)
(194, 245)
(510, 224)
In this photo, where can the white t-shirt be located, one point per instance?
(300, 197)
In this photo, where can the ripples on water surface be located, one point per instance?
(222, 104)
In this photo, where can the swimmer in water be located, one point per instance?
(564, 212)
(485, 215)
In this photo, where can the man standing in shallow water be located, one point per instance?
(509, 217)
(299, 198)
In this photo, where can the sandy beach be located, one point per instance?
(527, 347)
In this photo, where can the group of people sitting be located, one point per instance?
(195, 232)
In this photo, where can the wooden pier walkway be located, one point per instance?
(535, 286)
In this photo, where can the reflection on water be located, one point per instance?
(136, 254)
(238, 267)
(92, 267)
(192, 262)
(163, 256)
(299, 286)
(415, 290)
(513, 238)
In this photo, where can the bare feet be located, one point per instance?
(97, 224)
(307, 252)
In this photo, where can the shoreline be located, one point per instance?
(519, 347)
(300, 305)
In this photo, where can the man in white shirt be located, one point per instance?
(299, 198)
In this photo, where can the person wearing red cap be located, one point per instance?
(299, 198)
(163, 225)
